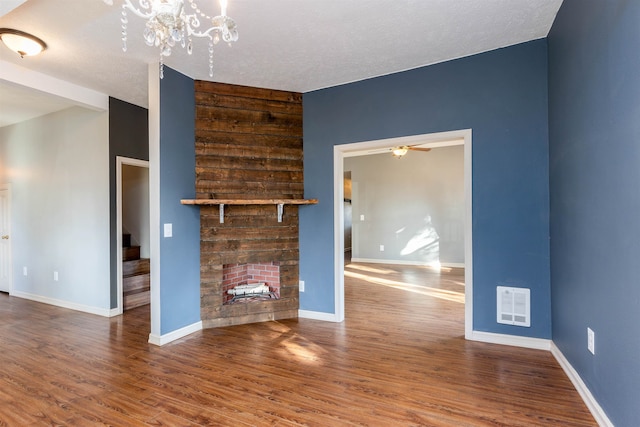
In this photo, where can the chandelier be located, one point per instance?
(169, 25)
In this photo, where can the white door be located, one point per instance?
(5, 242)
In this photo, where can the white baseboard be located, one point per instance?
(177, 334)
(452, 264)
(318, 315)
(517, 341)
(106, 312)
(595, 408)
(405, 262)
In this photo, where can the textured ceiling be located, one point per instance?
(295, 45)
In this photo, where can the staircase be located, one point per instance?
(135, 275)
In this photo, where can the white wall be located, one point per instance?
(135, 206)
(413, 206)
(58, 166)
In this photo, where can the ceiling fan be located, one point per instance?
(401, 150)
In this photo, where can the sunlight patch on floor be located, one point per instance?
(292, 345)
(304, 352)
(370, 269)
(410, 287)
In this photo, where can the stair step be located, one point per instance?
(136, 266)
(135, 282)
(131, 253)
(126, 240)
(136, 299)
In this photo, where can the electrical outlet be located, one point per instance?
(381, 248)
(24, 271)
(591, 341)
(361, 217)
(55, 276)
(301, 286)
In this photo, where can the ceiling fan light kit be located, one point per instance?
(24, 44)
(169, 24)
(399, 151)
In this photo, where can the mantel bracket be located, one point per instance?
(280, 211)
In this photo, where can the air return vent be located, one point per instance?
(514, 306)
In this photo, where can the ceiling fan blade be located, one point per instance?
(419, 149)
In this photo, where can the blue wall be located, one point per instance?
(502, 96)
(594, 128)
(180, 254)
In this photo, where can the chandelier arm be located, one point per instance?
(143, 4)
(206, 33)
(192, 21)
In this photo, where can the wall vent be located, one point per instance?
(514, 306)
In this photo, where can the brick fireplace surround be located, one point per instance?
(241, 274)
(249, 147)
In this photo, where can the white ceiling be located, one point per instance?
(294, 45)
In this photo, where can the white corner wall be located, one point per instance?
(135, 206)
(58, 167)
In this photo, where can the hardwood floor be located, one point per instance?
(399, 359)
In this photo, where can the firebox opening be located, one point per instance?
(243, 283)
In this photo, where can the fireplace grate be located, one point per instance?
(262, 296)
(251, 292)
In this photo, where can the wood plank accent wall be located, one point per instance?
(248, 146)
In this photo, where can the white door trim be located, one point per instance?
(120, 161)
(427, 140)
(7, 188)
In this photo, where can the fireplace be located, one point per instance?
(244, 283)
(249, 185)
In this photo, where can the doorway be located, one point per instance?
(133, 218)
(370, 147)
(5, 241)
(347, 218)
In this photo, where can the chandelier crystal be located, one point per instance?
(168, 25)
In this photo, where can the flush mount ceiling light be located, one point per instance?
(22, 43)
(168, 25)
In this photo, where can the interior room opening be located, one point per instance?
(405, 214)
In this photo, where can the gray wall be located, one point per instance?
(413, 206)
(57, 166)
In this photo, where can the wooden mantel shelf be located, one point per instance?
(249, 201)
(221, 202)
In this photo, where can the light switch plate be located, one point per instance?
(168, 230)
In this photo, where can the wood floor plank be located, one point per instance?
(399, 358)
